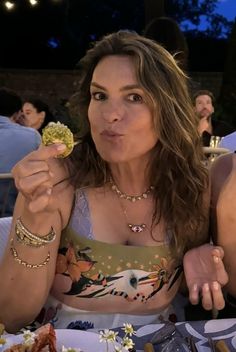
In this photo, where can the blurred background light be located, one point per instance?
(9, 5)
(33, 2)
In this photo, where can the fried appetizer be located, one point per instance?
(56, 132)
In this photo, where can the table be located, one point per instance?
(216, 329)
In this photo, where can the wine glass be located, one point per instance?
(214, 143)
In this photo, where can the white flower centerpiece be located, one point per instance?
(110, 337)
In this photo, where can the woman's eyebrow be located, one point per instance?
(131, 86)
(127, 87)
(96, 85)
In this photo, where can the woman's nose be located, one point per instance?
(113, 111)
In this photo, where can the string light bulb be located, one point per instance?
(9, 5)
(33, 2)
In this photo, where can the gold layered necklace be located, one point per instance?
(129, 197)
(135, 228)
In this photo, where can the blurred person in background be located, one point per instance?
(203, 101)
(36, 114)
(16, 142)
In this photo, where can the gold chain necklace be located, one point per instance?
(128, 197)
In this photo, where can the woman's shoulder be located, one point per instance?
(219, 172)
(221, 167)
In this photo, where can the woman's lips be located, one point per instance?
(111, 135)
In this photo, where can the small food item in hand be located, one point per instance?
(56, 132)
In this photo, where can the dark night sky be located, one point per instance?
(53, 35)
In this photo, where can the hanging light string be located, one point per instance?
(11, 4)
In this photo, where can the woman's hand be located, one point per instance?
(37, 173)
(205, 275)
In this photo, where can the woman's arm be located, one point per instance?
(204, 269)
(24, 290)
(223, 215)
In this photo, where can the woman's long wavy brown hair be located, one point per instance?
(176, 168)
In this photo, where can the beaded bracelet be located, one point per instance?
(26, 237)
(26, 264)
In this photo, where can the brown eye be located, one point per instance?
(98, 96)
(136, 98)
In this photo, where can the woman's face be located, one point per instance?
(32, 118)
(120, 117)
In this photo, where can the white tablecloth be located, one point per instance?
(5, 226)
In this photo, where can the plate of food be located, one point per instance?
(46, 339)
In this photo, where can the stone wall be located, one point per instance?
(50, 86)
(54, 86)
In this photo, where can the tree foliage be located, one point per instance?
(227, 99)
(194, 11)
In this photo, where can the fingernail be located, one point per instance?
(206, 287)
(61, 147)
(216, 259)
(215, 285)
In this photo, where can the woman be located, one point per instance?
(36, 114)
(123, 209)
(223, 175)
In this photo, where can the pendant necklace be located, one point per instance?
(135, 228)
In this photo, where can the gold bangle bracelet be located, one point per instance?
(26, 264)
(26, 237)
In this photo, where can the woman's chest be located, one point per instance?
(125, 223)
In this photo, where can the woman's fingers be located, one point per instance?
(37, 161)
(194, 294)
(217, 296)
(34, 178)
(35, 167)
(47, 152)
(28, 184)
(221, 274)
(217, 251)
(206, 297)
(41, 201)
(26, 167)
(211, 295)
